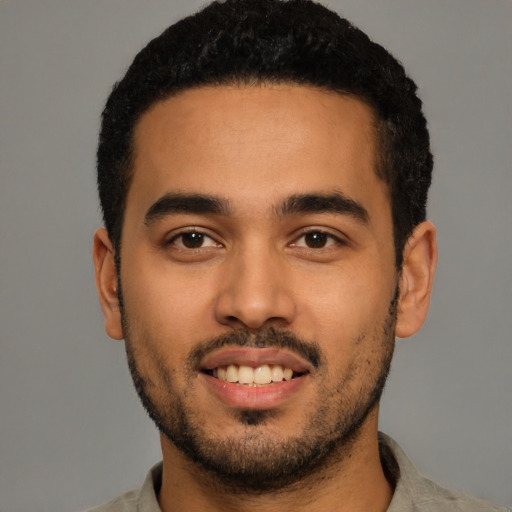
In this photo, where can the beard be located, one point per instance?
(255, 460)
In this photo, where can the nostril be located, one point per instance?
(254, 304)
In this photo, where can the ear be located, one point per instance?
(106, 283)
(416, 279)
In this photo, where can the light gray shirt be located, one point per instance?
(413, 491)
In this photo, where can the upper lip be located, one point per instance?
(254, 357)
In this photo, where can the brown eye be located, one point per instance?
(193, 240)
(316, 239)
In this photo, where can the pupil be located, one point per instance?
(316, 240)
(193, 240)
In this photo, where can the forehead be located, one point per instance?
(255, 143)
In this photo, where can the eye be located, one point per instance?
(192, 240)
(316, 240)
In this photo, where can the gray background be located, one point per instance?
(72, 431)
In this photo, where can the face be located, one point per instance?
(258, 278)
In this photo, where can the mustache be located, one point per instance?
(264, 338)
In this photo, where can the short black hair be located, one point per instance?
(275, 41)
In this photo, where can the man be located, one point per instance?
(263, 170)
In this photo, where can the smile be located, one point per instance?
(249, 378)
(261, 375)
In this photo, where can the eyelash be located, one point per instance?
(329, 239)
(191, 231)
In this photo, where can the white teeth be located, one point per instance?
(246, 375)
(262, 375)
(277, 373)
(232, 373)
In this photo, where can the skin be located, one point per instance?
(255, 147)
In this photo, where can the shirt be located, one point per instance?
(413, 491)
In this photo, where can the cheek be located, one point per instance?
(346, 301)
(167, 305)
(152, 283)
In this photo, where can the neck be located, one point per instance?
(353, 481)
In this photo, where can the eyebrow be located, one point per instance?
(335, 202)
(199, 204)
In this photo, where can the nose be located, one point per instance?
(255, 291)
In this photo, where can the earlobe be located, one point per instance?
(416, 279)
(106, 283)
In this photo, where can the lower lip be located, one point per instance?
(248, 397)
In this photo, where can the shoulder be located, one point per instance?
(143, 499)
(415, 492)
(440, 499)
(125, 503)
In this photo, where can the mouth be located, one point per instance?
(249, 378)
(261, 375)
